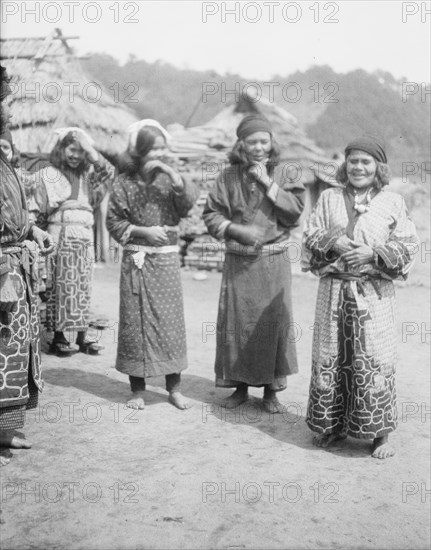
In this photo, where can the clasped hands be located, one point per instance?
(250, 235)
(353, 253)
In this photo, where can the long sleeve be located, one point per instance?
(396, 257)
(118, 217)
(101, 177)
(288, 197)
(185, 199)
(217, 213)
(318, 237)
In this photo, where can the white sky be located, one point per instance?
(369, 35)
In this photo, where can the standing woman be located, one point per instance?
(145, 208)
(20, 367)
(68, 197)
(358, 239)
(253, 206)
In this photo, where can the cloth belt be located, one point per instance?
(18, 255)
(360, 280)
(141, 252)
(233, 247)
(66, 224)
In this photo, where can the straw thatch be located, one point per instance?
(213, 140)
(51, 90)
(204, 152)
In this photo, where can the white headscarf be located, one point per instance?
(134, 128)
(60, 133)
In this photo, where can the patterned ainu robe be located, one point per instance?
(68, 217)
(20, 372)
(352, 384)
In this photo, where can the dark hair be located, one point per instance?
(144, 143)
(383, 175)
(238, 156)
(57, 156)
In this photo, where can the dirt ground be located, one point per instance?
(102, 477)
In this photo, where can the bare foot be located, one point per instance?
(177, 399)
(239, 396)
(325, 440)
(381, 448)
(273, 406)
(137, 401)
(12, 441)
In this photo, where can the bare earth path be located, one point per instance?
(102, 477)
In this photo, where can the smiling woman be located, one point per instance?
(253, 206)
(67, 194)
(358, 239)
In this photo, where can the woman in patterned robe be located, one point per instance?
(358, 239)
(145, 208)
(254, 205)
(20, 372)
(67, 196)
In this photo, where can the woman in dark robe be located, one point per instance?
(253, 206)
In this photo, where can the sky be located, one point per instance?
(253, 39)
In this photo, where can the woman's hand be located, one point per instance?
(177, 182)
(155, 165)
(156, 236)
(360, 255)
(342, 244)
(43, 239)
(92, 154)
(260, 172)
(250, 235)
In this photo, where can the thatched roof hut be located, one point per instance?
(214, 139)
(51, 90)
(210, 143)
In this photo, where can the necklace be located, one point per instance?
(363, 206)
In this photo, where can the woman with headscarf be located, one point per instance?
(147, 203)
(20, 370)
(67, 196)
(254, 206)
(358, 239)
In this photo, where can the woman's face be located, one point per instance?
(257, 146)
(73, 155)
(361, 169)
(158, 150)
(6, 147)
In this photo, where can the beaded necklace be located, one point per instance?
(364, 206)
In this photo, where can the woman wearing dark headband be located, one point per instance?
(253, 206)
(358, 239)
